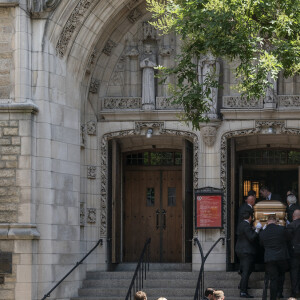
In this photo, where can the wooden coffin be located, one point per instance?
(265, 208)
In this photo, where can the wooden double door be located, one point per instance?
(153, 208)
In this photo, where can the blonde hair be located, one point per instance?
(140, 295)
(162, 298)
(219, 295)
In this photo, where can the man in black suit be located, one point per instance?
(293, 233)
(292, 206)
(273, 239)
(246, 207)
(245, 249)
(268, 195)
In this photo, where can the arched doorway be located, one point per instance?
(150, 194)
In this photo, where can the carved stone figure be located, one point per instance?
(271, 94)
(134, 15)
(209, 66)
(148, 63)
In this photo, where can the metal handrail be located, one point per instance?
(77, 264)
(141, 270)
(199, 292)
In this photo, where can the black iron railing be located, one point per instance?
(199, 292)
(140, 274)
(77, 264)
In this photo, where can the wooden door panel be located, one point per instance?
(172, 204)
(140, 218)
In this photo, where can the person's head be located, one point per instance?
(247, 216)
(291, 298)
(296, 214)
(162, 298)
(290, 192)
(264, 191)
(219, 295)
(271, 219)
(252, 193)
(209, 293)
(140, 295)
(291, 199)
(250, 200)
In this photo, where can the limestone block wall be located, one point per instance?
(6, 55)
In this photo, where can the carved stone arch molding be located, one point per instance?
(261, 128)
(134, 132)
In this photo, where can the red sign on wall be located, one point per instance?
(208, 211)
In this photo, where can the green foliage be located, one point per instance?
(262, 35)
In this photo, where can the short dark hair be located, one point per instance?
(264, 188)
(251, 193)
(246, 215)
(209, 291)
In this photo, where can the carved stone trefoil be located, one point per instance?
(91, 127)
(91, 215)
(91, 172)
(134, 15)
(95, 83)
(109, 47)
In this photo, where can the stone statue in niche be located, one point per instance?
(208, 65)
(271, 93)
(148, 62)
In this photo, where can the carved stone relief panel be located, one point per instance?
(109, 47)
(91, 128)
(91, 172)
(122, 103)
(165, 103)
(289, 100)
(94, 86)
(91, 215)
(209, 134)
(104, 155)
(134, 15)
(241, 102)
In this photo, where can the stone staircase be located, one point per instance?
(172, 281)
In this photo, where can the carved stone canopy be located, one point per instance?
(41, 8)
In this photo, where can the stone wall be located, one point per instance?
(6, 58)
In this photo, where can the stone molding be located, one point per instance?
(122, 102)
(16, 231)
(71, 25)
(23, 107)
(132, 132)
(280, 128)
(241, 102)
(288, 100)
(8, 3)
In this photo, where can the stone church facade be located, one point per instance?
(78, 96)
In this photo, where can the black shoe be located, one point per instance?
(245, 295)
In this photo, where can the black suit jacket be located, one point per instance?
(275, 197)
(274, 240)
(246, 237)
(244, 208)
(293, 234)
(290, 210)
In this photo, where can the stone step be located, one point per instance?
(187, 267)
